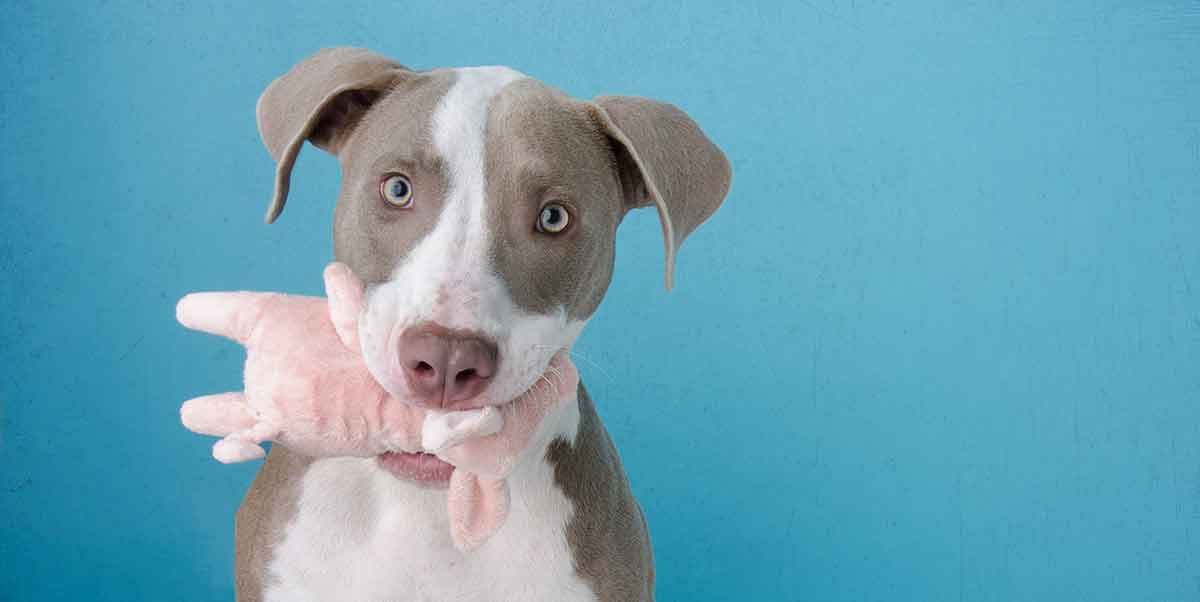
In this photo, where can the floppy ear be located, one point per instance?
(321, 100)
(665, 160)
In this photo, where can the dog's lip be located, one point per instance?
(422, 468)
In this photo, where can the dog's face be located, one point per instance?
(490, 211)
(480, 207)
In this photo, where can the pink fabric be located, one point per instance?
(477, 505)
(307, 387)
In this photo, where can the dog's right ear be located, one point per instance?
(665, 160)
(320, 100)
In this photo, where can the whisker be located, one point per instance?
(576, 354)
(607, 376)
(553, 386)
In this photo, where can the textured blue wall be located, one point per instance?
(942, 342)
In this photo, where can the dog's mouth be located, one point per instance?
(421, 468)
(426, 469)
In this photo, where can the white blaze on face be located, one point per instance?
(448, 278)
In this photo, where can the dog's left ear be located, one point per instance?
(665, 160)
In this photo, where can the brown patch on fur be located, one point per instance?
(266, 510)
(667, 161)
(541, 146)
(608, 535)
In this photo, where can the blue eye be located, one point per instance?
(553, 219)
(397, 191)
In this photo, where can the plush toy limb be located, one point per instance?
(478, 506)
(230, 315)
(345, 291)
(242, 446)
(232, 451)
(217, 415)
(443, 430)
(227, 415)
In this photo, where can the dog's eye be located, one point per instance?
(553, 219)
(397, 191)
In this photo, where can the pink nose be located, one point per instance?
(443, 366)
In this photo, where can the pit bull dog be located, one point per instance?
(480, 208)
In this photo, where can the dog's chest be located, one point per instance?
(361, 535)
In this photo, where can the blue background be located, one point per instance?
(941, 343)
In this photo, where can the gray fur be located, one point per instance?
(319, 100)
(608, 534)
(393, 137)
(668, 162)
(543, 146)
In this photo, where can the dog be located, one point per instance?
(480, 206)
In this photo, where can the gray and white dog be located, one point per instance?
(480, 206)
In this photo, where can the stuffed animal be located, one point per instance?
(308, 388)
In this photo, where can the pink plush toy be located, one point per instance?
(307, 387)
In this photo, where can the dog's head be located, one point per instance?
(480, 207)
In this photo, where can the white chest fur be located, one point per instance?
(361, 535)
